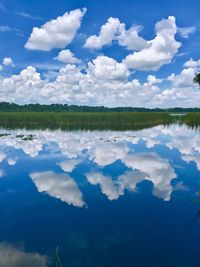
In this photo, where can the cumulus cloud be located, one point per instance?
(131, 40)
(186, 31)
(161, 49)
(149, 55)
(25, 85)
(57, 33)
(11, 256)
(7, 61)
(66, 56)
(106, 35)
(184, 79)
(60, 186)
(104, 81)
(107, 68)
(192, 63)
(114, 30)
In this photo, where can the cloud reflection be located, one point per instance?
(102, 149)
(13, 257)
(145, 166)
(60, 186)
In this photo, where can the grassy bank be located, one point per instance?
(84, 120)
(192, 119)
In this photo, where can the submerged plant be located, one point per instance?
(58, 261)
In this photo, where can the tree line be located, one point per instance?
(12, 107)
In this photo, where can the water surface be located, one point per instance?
(105, 198)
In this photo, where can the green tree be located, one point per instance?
(197, 78)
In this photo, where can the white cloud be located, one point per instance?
(184, 79)
(11, 256)
(25, 86)
(1, 67)
(5, 28)
(28, 16)
(66, 56)
(60, 186)
(57, 33)
(114, 30)
(106, 35)
(161, 49)
(107, 68)
(151, 54)
(192, 63)
(130, 38)
(7, 61)
(186, 31)
(103, 82)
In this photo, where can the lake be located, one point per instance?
(100, 198)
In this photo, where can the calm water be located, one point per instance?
(121, 199)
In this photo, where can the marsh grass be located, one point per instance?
(192, 119)
(84, 120)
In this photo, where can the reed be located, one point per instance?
(192, 119)
(84, 120)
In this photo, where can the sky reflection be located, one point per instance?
(139, 153)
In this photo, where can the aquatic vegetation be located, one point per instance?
(4, 134)
(58, 261)
(84, 120)
(28, 137)
(192, 119)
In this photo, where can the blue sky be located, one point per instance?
(124, 53)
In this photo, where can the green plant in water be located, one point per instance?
(58, 261)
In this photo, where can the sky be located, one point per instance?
(135, 53)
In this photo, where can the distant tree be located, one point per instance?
(197, 78)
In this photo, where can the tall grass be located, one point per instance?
(84, 120)
(192, 119)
